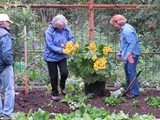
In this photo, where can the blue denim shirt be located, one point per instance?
(54, 38)
(128, 41)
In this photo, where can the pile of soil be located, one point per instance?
(37, 98)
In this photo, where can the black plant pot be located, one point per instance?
(97, 88)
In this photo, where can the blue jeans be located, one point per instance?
(130, 72)
(7, 80)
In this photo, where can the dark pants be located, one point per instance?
(53, 73)
(130, 72)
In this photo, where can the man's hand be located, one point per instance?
(118, 56)
(130, 59)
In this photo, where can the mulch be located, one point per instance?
(38, 98)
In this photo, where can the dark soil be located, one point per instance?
(38, 98)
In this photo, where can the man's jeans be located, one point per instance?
(7, 80)
(130, 72)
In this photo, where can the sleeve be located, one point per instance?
(7, 50)
(70, 35)
(50, 45)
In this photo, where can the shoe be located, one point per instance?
(55, 98)
(131, 96)
(64, 92)
(5, 117)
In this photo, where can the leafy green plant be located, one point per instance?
(83, 113)
(90, 62)
(136, 116)
(154, 102)
(75, 100)
(93, 113)
(38, 115)
(112, 101)
(135, 104)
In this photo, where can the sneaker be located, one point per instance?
(64, 91)
(5, 117)
(131, 96)
(122, 90)
(55, 98)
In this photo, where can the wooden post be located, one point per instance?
(25, 60)
(91, 20)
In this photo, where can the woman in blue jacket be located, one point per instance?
(56, 37)
(129, 52)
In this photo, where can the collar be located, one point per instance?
(4, 28)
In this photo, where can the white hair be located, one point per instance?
(59, 20)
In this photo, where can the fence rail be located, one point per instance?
(114, 52)
(99, 6)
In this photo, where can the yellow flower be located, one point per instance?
(106, 49)
(70, 47)
(95, 66)
(92, 47)
(100, 63)
(66, 51)
(94, 57)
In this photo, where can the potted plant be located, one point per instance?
(90, 62)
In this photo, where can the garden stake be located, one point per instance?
(128, 88)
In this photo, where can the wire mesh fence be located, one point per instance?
(103, 33)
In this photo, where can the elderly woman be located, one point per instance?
(56, 36)
(129, 52)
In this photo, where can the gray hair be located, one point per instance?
(59, 20)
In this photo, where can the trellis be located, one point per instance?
(90, 6)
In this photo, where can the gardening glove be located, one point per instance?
(130, 59)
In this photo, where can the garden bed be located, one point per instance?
(38, 98)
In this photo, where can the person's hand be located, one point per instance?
(130, 59)
(118, 56)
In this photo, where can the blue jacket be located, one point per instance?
(6, 48)
(128, 41)
(54, 41)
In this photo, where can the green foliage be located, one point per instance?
(39, 115)
(93, 113)
(84, 113)
(143, 117)
(81, 64)
(112, 101)
(79, 97)
(154, 102)
(36, 21)
(19, 116)
(135, 104)
(75, 97)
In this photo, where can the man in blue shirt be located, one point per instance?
(129, 52)
(56, 37)
(6, 68)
